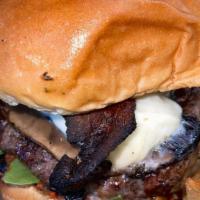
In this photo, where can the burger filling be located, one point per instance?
(134, 149)
(157, 119)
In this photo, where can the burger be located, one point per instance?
(100, 99)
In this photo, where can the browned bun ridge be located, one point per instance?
(74, 56)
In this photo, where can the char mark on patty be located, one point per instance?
(189, 99)
(170, 176)
(96, 133)
(176, 157)
(38, 159)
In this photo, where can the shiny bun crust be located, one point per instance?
(75, 56)
(26, 193)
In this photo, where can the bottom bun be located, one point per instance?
(24, 193)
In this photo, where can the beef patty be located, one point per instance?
(166, 179)
(38, 159)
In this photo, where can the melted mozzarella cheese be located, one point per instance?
(157, 118)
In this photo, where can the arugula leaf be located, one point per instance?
(19, 175)
(118, 197)
(1, 152)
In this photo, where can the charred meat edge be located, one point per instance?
(170, 177)
(165, 182)
(96, 134)
(106, 121)
(189, 100)
(184, 107)
(38, 159)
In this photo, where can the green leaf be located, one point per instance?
(19, 174)
(1, 152)
(118, 197)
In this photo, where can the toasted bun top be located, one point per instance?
(74, 55)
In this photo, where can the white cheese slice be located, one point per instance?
(157, 118)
